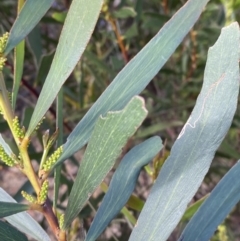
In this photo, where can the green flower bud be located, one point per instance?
(52, 159)
(3, 42)
(6, 158)
(39, 124)
(43, 192)
(29, 197)
(2, 62)
(61, 220)
(20, 132)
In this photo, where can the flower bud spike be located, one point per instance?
(19, 132)
(2, 62)
(61, 221)
(42, 197)
(52, 159)
(6, 158)
(29, 197)
(3, 42)
(39, 124)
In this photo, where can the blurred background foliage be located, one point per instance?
(123, 29)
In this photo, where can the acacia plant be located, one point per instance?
(108, 125)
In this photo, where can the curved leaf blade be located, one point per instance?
(23, 221)
(28, 18)
(77, 30)
(122, 184)
(219, 204)
(9, 233)
(193, 151)
(109, 137)
(137, 74)
(8, 208)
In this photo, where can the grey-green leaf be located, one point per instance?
(122, 184)
(9, 233)
(28, 18)
(193, 151)
(23, 221)
(9, 208)
(137, 74)
(109, 137)
(216, 207)
(77, 30)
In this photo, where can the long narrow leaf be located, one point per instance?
(9, 233)
(9, 208)
(109, 137)
(28, 18)
(193, 151)
(217, 206)
(23, 221)
(18, 70)
(77, 30)
(123, 184)
(137, 74)
(18, 63)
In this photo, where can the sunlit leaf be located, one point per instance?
(194, 149)
(109, 137)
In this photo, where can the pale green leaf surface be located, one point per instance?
(28, 18)
(9, 208)
(137, 74)
(215, 209)
(23, 221)
(193, 151)
(18, 70)
(9, 233)
(122, 184)
(34, 40)
(5, 146)
(109, 137)
(77, 30)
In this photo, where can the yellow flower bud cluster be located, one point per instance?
(29, 197)
(61, 220)
(43, 192)
(17, 129)
(52, 159)
(3, 42)
(6, 158)
(2, 62)
(39, 123)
